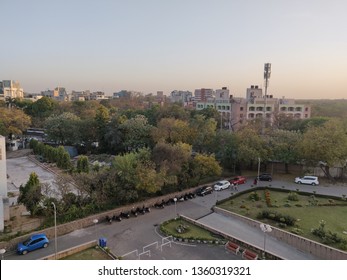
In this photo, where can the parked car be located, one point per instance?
(238, 180)
(36, 241)
(221, 185)
(309, 180)
(204, 190)
(265, 177)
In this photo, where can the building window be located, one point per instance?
(298, 109)
(291, 109)
(306, 109)
(251, 116)
(251, 108)
(306, 116)
(259, 108)
(241, 108)
(268, 109)
(283, 108)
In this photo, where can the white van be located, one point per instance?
(309, 180)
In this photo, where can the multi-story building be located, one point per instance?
(203, 94)
(59, 93)
(127, 94)
(234, 111)
(182, 96)
(10, 89)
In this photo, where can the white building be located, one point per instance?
(10, 89)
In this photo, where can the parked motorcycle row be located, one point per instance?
(134, 212)
(163, 203)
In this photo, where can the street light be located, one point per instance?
(258, 169)
(175, 200)
(95, 221)
(55, 229)
(265, 228)
(2, 252)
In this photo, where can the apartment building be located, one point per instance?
(235, 111)
(10, 89)
(182, 96)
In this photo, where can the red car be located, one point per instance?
(238, 180)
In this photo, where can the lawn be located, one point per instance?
(180, 228)
(89, 254)
(307, 210)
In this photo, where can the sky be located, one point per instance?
(166, 45)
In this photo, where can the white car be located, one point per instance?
(221, 185)
(308, 180)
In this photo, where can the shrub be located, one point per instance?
(254, 196)
(293, 196)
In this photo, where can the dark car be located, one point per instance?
(204, 190)
(265, 177)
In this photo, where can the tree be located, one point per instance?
(83, 164)
(171, 157)
(63, 128)
(30, 194)
(136, 133)
(250, 146)
(284, 145)
(203, 132)
(172, 131)
(102, 119)
(205, 166)
(325, 145)
(13, 121)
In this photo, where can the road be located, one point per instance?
(135, 233)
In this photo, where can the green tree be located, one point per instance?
(102, 119)
(205, 166)
(284, 145)
(136, 133)
(83, 164)
(172, 130)
(203, 132)
(13, 121)
(30, 194)
(63, 128)
(250, 146)
(325, 145)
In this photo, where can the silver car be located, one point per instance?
(221, 185)
(308, 180)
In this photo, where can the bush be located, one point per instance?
(254, 196)
(293, 196)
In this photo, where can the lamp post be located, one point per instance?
(175, 200)
(95, 221)
(2, 252)
(265, 228)
(258, 169)
(55, 229)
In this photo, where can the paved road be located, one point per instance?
(136, 233)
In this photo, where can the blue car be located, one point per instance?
(36, 241)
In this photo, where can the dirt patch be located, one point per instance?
(18, 153)
(20, 222)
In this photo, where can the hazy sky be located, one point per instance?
(151, 45)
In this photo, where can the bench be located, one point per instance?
(230, 246)
(249, 255)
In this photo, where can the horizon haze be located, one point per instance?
(157, 45)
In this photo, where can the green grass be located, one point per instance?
(89, 254)
(192, 231)
(308, 216)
